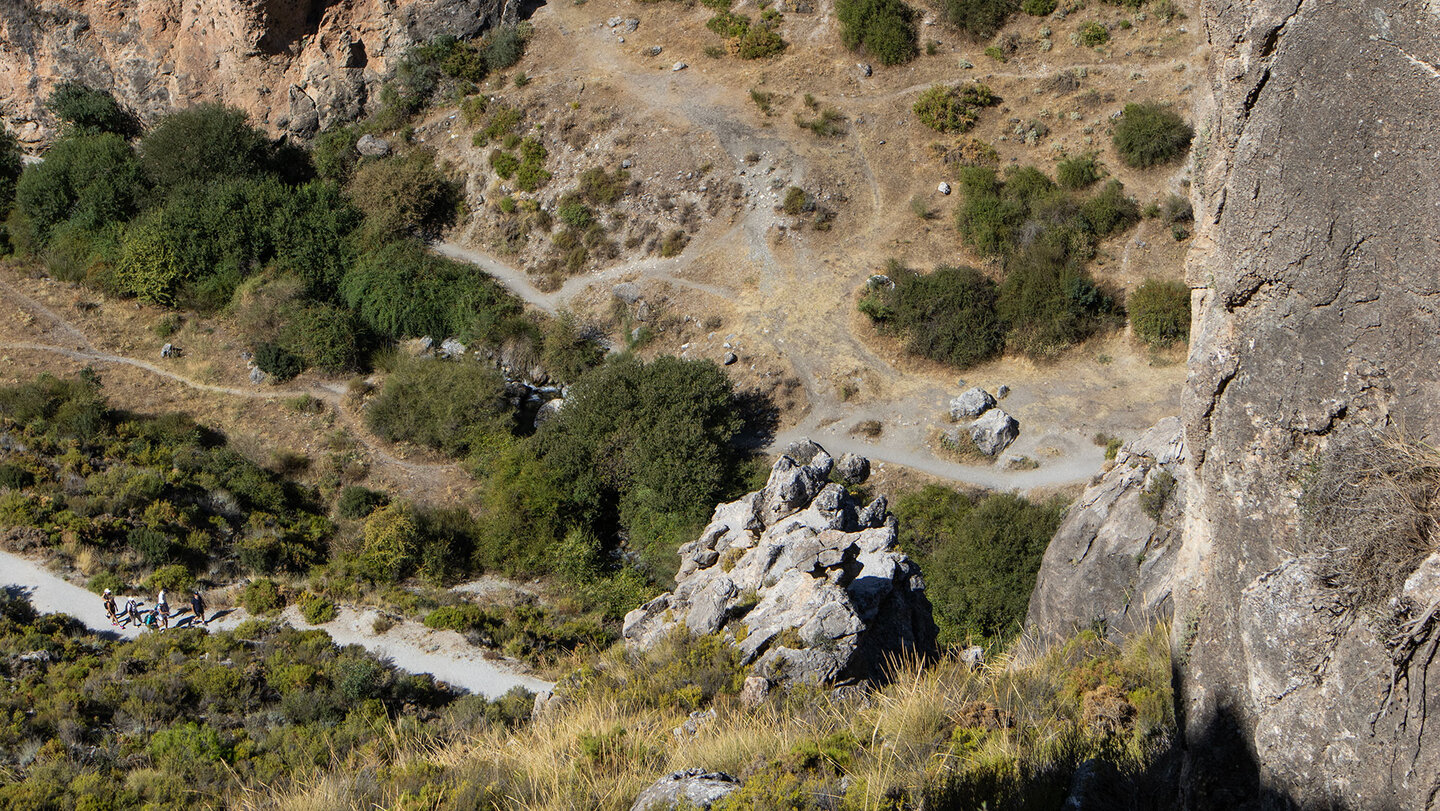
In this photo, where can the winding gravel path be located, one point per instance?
(410, 646)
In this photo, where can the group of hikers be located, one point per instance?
(157, 618)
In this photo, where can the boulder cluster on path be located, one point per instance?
(808, 584)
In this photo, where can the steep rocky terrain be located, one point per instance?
(322, 57)
(1315, 333)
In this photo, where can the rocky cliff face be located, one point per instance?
(1315, 337)
(294, 65)
(808, 584)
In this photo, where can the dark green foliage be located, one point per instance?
(333, 154)
(1039, 8)
(1049, 301)
(885, 28)
(202, 143)
(944, 108)
(447, 405)
(999, 217)
(504, 46)
(1157, 493)
(1078, 172)
(978, 18)
(574, 213)
(729, 24)
(600, 188)
(796, 201)
(261, 597)
(278, 362)
(405, 195)
(261, 708)
(1160, 312)
(358, 502)
(403, 290)
(318, 610)
(568, 351)
(948, 315)
(760, 41)
(1149, 135)
(980, 556)
(10, 167)
(93, 180)
(324, 337)
(86, 110)
(1092, 34)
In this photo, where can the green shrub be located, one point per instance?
(358, 502)
(173, 578)
(1160, 312)
(93, 180)
(464, 617)
(1039, 8)
(503, 163)
(504, 46)
(1149, 135)
(324, 337)
(884, 28)
(10, 168)
(277, 361)
(1049, 301)
(150, 267)
(568, 352)
(202, 143)
(574, 213)
(729, 24)
(451, 406)
(84, 109)
(945, 108)
(796, 201)
(948, 315)
(261, 597)
(601, 188)
(333, 153)
(980, 556)
(317, 609)
(1157, 494)
(1092, 34)
(391, 539)
(760, 41)
(1078, 172)
(978, 18)
(403, 290)
(405, 195)
(15, 477)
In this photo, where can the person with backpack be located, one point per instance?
(110, 608)
(151, 620)
(162, 609)
(132, 610)
(197, 606)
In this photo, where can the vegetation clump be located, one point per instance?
(884, 28)
(1150, 135)
(948, 315)
(946, 108)
(980, 19)
(1160, 312)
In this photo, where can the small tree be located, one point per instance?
(1149, 135)
(885, 28)
(10, 168)
(86, 110)
(149, 266)
(1078, 172)
(978, 18)
(202, 143)
(391, 538)
(405, 195)
(1160, 312)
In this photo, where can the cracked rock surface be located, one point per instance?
(808, 584)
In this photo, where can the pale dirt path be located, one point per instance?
(410, 646)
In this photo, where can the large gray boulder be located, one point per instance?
(970, 404)
(994, 431)
(372, 146)
(809, 585)
(853, 468)
(690, 789)
(1112, 561)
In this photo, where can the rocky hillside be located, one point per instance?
(324, 56)
(1315, 321)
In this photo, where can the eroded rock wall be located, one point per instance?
(1317, 278)
(293, 65)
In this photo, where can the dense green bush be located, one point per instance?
(885, 28)
(998, 217)
(93, 180)
(1149, 135)
(358, 502)
(403, 290)
(404, 195)
(979, 18)
(10, 168)
(760, 41)
(946, 108)
(86, 110)
(451, 406)
(278, 362)
(568, 351)
(317, 609)
(980, 556)
(504, 46)
(1048, 301)
(1092, 34)
(202, 143)
(948, 315)
(1039, 8)
(1160, 312)
(261, 597)
(1078, 172)
(333, 153)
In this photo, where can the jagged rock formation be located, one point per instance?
(1316, 331)
(293, 65)
(809, 585)
(1112, 562)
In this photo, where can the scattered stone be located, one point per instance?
(642, 310)
(168, 350)
(853, 468)
(654, 50)
(547, 411)
(692, 725)
(621, 40)
(865, 70)
(691, 789)
(631, 24)
(754, 691)
(257, 376)
(628, 292)
(626, 164)
(994, 431)
(943, 188)
(1002, 392)
(372, 147)
(679, 66)
(966, 64)
(973, 657)
(729, 358)
(546, 702)
(452, 348)
(970, 404)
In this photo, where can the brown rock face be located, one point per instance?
(1318, 176)
(293, 65)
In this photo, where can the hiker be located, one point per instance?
(150, 617)
(162, 608)
(110, 608)
(132, 610)
(197, 606)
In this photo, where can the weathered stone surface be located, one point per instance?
(970, 404)
(853, 468)
(1315, 326)
(294, 67)
(994, 431)
(691, 788)
(1111, 563)
(372, 146)
(812, 592)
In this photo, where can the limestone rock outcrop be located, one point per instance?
(294, 65)
(1316, 329)
(687, 789)
(1111, 564)
(808, 584)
